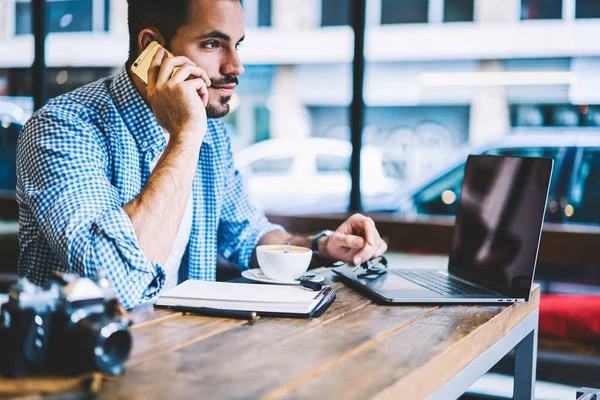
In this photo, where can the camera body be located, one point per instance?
(75, 326)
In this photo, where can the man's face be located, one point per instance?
(210, 39)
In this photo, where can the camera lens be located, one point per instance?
(112, 348)
(115, 349)
(96, 342)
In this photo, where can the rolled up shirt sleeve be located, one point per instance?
(242, 224)
(62, 166)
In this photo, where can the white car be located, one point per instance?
(15, 109)
(310, 175)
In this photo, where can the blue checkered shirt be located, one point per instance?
(89, 152)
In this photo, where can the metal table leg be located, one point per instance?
(525, 366)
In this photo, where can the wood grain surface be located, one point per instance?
(357, 349)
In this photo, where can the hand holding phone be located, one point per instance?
(141, 65)
(177, 90)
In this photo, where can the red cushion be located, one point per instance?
(570, 316)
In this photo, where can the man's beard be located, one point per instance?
(219, 111)
(223, 108)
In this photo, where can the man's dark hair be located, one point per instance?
(167, 16)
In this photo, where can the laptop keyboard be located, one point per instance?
(439, 283)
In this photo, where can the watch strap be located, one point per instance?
(315, 241)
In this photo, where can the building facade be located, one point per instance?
(440, 74)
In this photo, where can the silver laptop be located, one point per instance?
(495, 242)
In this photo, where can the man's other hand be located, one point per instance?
(355, 241)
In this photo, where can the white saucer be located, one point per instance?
(257, 275)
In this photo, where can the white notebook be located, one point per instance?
(246, 297)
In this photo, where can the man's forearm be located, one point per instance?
(279, 237)
(157, 211)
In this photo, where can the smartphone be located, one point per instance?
(142, 63)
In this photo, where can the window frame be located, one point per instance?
(435, 13)
(576, 3)
(348, 22)
(428, 13)
(252, 14)
(100, 17)
(567, 12)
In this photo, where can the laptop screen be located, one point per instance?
(499, 222)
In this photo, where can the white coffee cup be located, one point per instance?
(278, 265)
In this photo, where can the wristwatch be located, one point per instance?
(315, 241)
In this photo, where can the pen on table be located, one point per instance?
(307, 283)
(219, 313)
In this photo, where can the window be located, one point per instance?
(584, 195)
(8, 147)
(555, 115)
(403, 12)
(65, 16)
(328, 164)
(393, 169)
(541, 9)
(335, 12)
(591, 115)
(274, 165)
(587, 9)
(257, 12)
(458, 10)
(264, 12)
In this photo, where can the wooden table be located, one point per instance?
(357, 349)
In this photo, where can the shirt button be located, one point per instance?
(144, 143)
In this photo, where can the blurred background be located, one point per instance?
(443, 78)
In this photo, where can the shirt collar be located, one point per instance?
(139, 117)
(135, 112)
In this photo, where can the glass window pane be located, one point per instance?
(591, 115)
(584, 196)
(587, 9)
(264, 12)
(272, 165)
(106, 15)
(63, 16)
(23, 18)
(458, 10)
(335, 12)
(541, 9)
(405, 11)
(327, 164)
(8, 147)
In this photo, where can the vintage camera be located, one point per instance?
(76, 325)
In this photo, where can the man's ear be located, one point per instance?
(147, 36)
